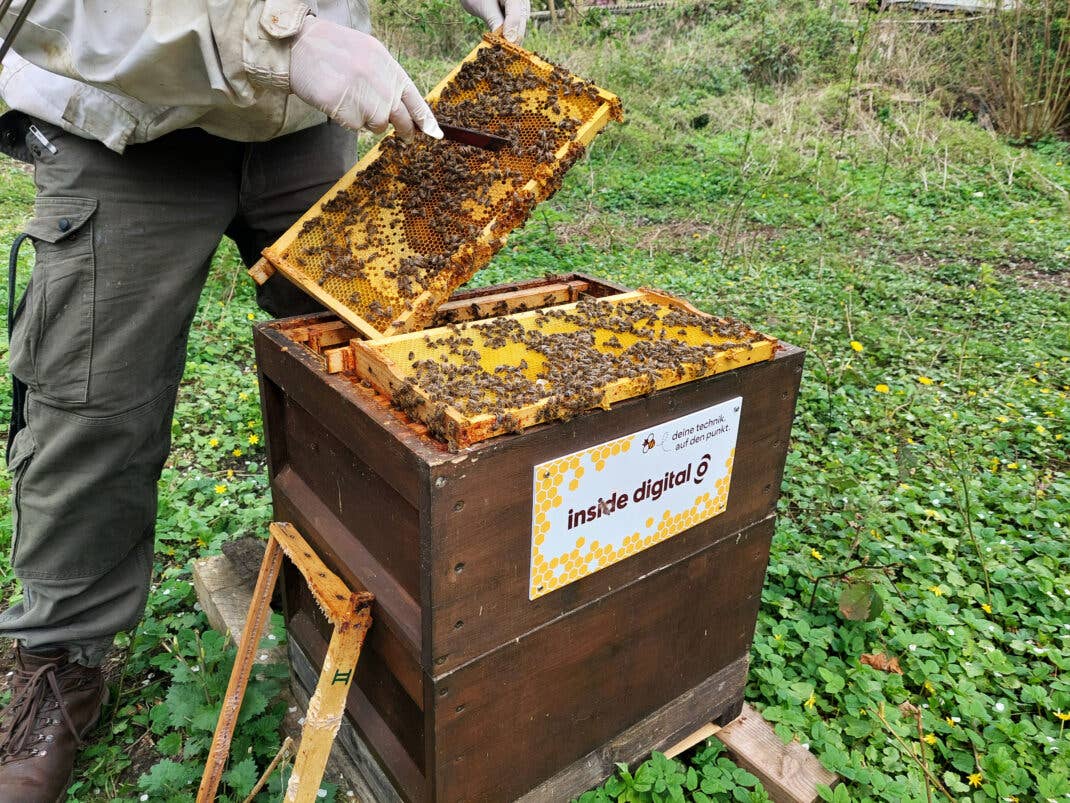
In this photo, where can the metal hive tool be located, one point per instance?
(473, 381)
(411, 222)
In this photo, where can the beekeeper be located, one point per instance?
(154, 129)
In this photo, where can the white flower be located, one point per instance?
(1000, 707)
(322, 792)
(143, 798)
(194, 669)
(912, 647)
(951, 631)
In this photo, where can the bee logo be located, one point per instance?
(649, 443)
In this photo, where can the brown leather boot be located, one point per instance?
(54, 704)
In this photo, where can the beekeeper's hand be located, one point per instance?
(352, 78)
(510, 15)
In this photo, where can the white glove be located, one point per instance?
(352, 78)
(511, 15)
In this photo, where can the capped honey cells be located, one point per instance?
(472, 381)
(416, 220)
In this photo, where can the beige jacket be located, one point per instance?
(124, 71)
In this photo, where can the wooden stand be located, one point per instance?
(350, 616)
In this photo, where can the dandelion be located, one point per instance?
(882, 388)
(857, 346)
(937, 591)
(810, 701)
(254, 440)
(214, 442)
(221, 488)
(929, 738)
(237, 453)
(975, 779)
(925, 380)
(816, 555)
(986, 607)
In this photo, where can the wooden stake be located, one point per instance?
(287, 744)
(259, 610)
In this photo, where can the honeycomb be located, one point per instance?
(413, 221)
(472, 381)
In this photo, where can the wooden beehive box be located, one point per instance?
(489, 675)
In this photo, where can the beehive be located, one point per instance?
(411, 222)
(472, 381)
(605, 667)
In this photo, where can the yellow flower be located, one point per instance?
(937, 591)
(254, 440)
(986, 607)
(975, 779)
(950, 722)
(930, 738)
(237, 453)
(1002, 419)
(857, 346)
(930, 688)
(230, 473)
(882, 388)
(250, 316)
(221, 488)
(1041, 429)
(214, 442)
(778, 637)
(815, 554)
(810, 701)
(925, 380)
(1012, 466)
(1062, 717)
(243, 396)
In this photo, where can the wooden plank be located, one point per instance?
(483, 510)
(700, 735)
(259, 611)
(261, 271)
(510, 302)
(332, 595)
(327, 704)
(716, 693)
(789, 772)
(391, 755)
(570, 687)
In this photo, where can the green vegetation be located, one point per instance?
(826, 175)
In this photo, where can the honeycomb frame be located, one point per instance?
(417, 310)
(381, 363)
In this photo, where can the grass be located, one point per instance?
(792, 170)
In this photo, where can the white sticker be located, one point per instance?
(605, 503)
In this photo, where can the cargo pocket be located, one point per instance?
(52, 341)
(22, 450)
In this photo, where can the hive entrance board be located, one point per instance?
(411, 222)
(472, 381)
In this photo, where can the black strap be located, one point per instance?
(16, 26)
(18, 387)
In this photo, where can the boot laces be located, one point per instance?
(28, 705)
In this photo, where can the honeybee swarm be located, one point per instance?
(563, 371)
(426, 215)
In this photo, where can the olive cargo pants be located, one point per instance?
(123, 248)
